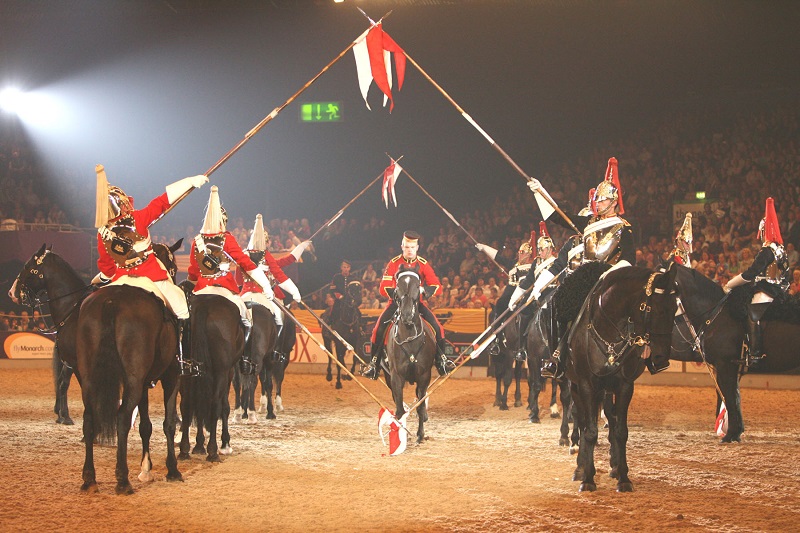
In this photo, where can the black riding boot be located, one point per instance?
(755, 346)
(554, 366)
(187, 366)
(373, 369)
(443, 364)
(277, 355)
(246, 365)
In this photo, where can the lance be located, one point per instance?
(348, 204)
(333, 358)
(271, 116)
(446, 212)
(480, 130)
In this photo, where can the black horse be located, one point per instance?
(720, 323)
(410, 346)
(260, 347)
(539, 347)
(217, 344)
(125, 338)
(53, 284)
(274, 369)
(630, 309)
(347, 323)
(507, 364)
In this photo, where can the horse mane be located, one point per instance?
(702, 286)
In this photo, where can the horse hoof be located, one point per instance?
(563, 442)
(614, 473)
(534, 420)
(213, 458)
(251, 420)
(587, 487)
(175, 477)
(199, 450)
(144, 477)
(226, 450)
(346, 377)
(328, 377)
(518, 404)
(573, 450)
(338, 384)
(123, 489)
(555, 415)
(184, 456)
(504, 407)
(271, 416)
(89, 487)
(67, 421)
(496, 403)
(278, 403)
(625, 487)
(262, 406)
(59, 420)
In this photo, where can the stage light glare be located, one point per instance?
(11, 100)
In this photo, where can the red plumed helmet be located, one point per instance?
(770, 231)
(544, 238)
(610, 187)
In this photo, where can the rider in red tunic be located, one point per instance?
(125, 250)
(210, 267)
(428, 278)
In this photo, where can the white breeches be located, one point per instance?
(172, 295)
(261, 299)
(244, 312)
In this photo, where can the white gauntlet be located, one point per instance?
(259, 277)
(177, 189)
(291, 288)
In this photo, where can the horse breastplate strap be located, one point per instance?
(124, 244)
(517, 273)
(601, 240)
(210, 256)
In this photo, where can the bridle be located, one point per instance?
(419, 328)
(37, 302)
(617, 348)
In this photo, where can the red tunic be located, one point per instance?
(150, 268)
(233, 250)
(274, 267)
(427, 276)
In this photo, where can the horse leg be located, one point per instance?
(728, 380)
(623, 400)
(186, 421)
(169, 384)
(587, 405)
(422, 411)
(131, 396)
(507, 377)
(63, 376)
(329, 374)
(270, 406)
(226, 436)
(517, 378)
(238, 411)
(279, 374)
(218, 399)
(553, 397)
(567, 410)
(497, 394)
(534, 388)
(89, 479)
(145, 432)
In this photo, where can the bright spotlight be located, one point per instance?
(11, 100)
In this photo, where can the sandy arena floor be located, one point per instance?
(321, 467)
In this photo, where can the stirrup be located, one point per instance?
(247, 367)
(521, 355)
(372, 370)
(278, 357)
(444, 365)
(656, 365)
(551, 368)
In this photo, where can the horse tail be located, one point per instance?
(106, 377)
(202, 385)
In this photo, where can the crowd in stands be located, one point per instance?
(737, 159)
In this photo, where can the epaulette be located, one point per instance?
(396, 259)
(624, 221)
(422, 260)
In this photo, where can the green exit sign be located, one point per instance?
(320, 112)
(700, 195)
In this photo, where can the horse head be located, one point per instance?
(646, 301)
(31, 279)
(353, 296)
(166, 254)
(406, 293)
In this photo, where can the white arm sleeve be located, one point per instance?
(291, 288)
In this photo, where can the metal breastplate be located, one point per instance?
(602, 243)
(776, 271)
(517, 273)
(121, 240)
(575, 253)
(211, 257)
